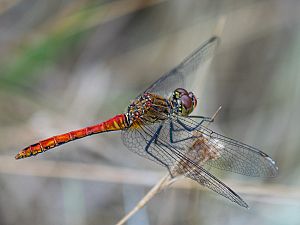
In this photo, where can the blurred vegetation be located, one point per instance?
(69, 64)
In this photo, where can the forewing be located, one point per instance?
(233, 155)
(176, 77)
(137, 138)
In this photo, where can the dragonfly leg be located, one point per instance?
(188, 128)
(154, 139)
(172, 129)
(204, 118)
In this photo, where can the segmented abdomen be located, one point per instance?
(118, 122)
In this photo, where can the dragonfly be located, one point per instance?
(158, 125)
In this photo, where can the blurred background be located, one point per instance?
(69, 64)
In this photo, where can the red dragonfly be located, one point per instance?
(158, 125)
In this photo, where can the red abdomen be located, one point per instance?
(118, 122)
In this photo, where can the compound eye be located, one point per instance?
(195, 102)
(181, 91)
(187, 102)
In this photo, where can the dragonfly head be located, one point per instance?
(183, 102)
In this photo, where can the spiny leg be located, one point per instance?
(186, 128)
(203, 119)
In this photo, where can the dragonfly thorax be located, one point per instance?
(183, 102)
(148, 108)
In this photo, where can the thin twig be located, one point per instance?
(166, 181)
(216, 113)
(156, 189)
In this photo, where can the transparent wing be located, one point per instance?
(136, 139)
(177, 157)
(208, 180)
(176, 77)
(232, 155)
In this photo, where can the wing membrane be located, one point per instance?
(235, 156)
(176, 77)
(176, 157)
